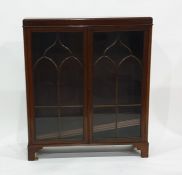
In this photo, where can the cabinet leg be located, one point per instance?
(143, 147)
(32, 152)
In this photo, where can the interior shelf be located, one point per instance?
(96, 128)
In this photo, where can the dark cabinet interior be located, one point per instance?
(87, 82)
(117, 80)
(58, 76)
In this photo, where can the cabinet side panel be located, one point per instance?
(29, 88)
(146, 84)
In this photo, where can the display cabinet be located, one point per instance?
(87, 82)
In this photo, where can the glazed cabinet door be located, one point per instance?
(58, 80)
(117, 66)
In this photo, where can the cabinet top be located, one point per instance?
(38, 22)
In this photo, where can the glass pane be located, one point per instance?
(47, 123)
(45, 83)
(118, 45)
(128, 120)
(104, 82)
(71, 82)
(129, 81)
(117, 82)
(57, 46)
(72, 123)
(104, 123)
(57, 60)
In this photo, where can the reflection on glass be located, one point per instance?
(104, 123)
(47, 123)
(72, 123)
(128, 122)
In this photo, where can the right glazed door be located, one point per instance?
(117, 64)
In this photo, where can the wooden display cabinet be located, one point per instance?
(87, 82)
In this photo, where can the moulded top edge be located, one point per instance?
(87, 21)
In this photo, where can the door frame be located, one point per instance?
(145, 83)
(88, 72)
(29, 84)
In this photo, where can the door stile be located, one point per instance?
(86, 85)
(89, 83)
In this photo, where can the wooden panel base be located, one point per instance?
(143, 147)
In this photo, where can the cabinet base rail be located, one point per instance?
(143, 147)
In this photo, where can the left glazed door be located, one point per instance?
(58, 80)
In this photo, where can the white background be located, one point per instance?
(165, 130)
